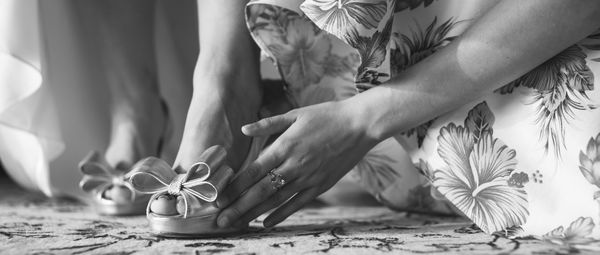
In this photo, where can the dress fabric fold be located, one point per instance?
(29, 137)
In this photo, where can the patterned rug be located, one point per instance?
(33, 224)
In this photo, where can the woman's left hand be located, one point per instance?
(319, 145)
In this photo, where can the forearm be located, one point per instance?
(223, 33)
(512, 38)
(226, 48)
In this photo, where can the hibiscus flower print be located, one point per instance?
(410, 49)
(590, 163)
(579, 232)
(372, 51)
(376, 170)
(561, 86)
(594, 44)
(425, 169)
(478, 168)
(302, 53)
(402, 5)
(338, 16)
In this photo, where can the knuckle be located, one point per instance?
(281, 145)
(280, 156)
(268, 121)
(235, 189)
(253, 170)
(235, 212)
(277, 154)
(304, 161)
(285, 145)
(255, 173)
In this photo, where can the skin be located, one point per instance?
(125, 36)
(226, 80)
(226, 92)
(321, 143)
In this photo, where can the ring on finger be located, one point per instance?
(277, 180)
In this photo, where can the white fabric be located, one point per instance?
(53, 94)
(29, 136)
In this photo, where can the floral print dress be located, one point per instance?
(524, 160)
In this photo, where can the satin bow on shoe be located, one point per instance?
(99, 175)
(155, 176)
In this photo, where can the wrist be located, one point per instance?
(229, 48)
(364, 116)
(225, 59)
(232, 81)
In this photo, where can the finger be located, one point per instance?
(265, 162)
(273, 201)
(213, 156)
(221, 177)
(293, 205)
(269, 126)
(254, 196)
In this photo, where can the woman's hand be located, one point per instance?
(319, 145)
(323, 142)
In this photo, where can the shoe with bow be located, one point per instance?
(182, 204)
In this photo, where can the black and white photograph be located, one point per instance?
(299, 127)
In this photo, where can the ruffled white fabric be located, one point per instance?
(29, 137)
(53, 94)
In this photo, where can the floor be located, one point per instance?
(33, 224)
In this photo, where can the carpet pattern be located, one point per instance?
(33, 224)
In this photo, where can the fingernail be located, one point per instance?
(223, 221)
(245, 130)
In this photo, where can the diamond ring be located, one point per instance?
(277, 180)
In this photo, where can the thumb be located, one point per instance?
(269, 126)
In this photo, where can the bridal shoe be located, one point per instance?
(182, 204)
(111, 193)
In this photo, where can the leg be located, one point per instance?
(126, 38)
(227, 92)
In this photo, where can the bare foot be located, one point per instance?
(226, 97)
